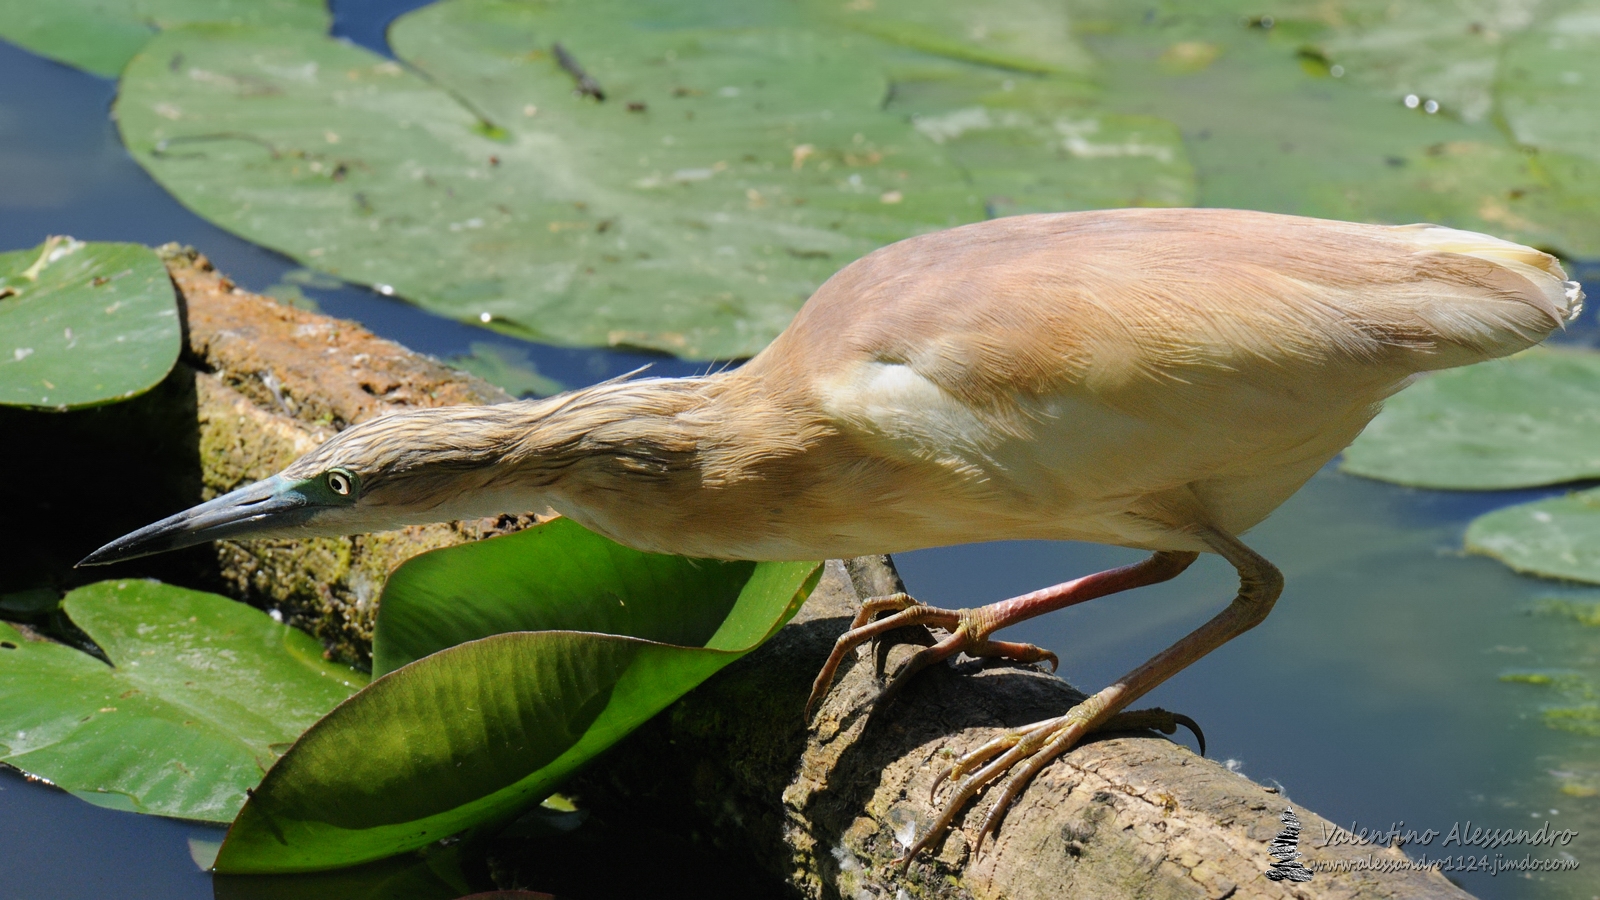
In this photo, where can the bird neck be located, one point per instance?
(650, 463)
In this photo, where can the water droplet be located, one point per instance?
(1431, 107)
(485, 318)
(1412, 101)
(385, 289)
(1336, 70)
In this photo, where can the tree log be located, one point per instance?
(828, 808)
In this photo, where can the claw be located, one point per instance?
(1155, 719)
(865, 628)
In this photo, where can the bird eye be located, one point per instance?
(339, 483)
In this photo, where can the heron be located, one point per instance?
(1160, 379)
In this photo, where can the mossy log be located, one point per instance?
(822, 809)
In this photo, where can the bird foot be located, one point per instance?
(1028, 750)
(968, 632)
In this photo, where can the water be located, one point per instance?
(1371, 695)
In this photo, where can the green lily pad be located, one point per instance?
(1292, 138)
(509, 368)
(1022, 35)
(453, 737)
(1547, 82)
(1442, 51)
(84, 324)
(1527, 420)
(1556, 538)
(1042, 145)
(102, 36)
(728, 173)
(697, 226)
(201, 696)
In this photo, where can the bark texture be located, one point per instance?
(827, 809)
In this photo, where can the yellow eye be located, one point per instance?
(339, 483)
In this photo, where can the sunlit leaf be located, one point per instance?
(1527, 420)
(1266, 131)
(697, 226)
(728, 172)
(1556, 538)
(1022, 35)
(201, 696)
(102, 35)
(1039, 145)
(482, 729)
(84, 324)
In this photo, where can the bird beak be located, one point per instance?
(266, 506)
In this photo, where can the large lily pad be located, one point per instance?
(1548, 79)
(102, 36)
(1294, 138)
(1038, 145)
(728, 173)
(1022, 35)
(84, 324)
(1555, 538)
(201, 696)
(1527, 420)
(476, 732)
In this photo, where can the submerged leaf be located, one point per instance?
(84, 324)
(1556, 538)
(1531, 419)
(478, 731)
(201, 695)
(101, 37)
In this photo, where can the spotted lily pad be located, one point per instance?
(84, 324)
(1527, 420)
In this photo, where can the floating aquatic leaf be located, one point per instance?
(509, 368)
(201, 696)
(101, 37)
(1556, 538)
(727, 174)
(1021, 35)
(1039, 145)
(84, 324)
(697, 226)
(470, 725)
(1530, 419)
(1346, 148)
(1548, 77)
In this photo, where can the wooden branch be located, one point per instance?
(828, 808)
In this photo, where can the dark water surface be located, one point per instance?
(1371, 695)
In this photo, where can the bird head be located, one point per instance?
(432, 465)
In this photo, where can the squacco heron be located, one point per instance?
(1157, 379)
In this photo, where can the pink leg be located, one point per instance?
(970, 628)
(1023, 752)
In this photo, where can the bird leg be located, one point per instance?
(970, 628)
(1029, 749)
